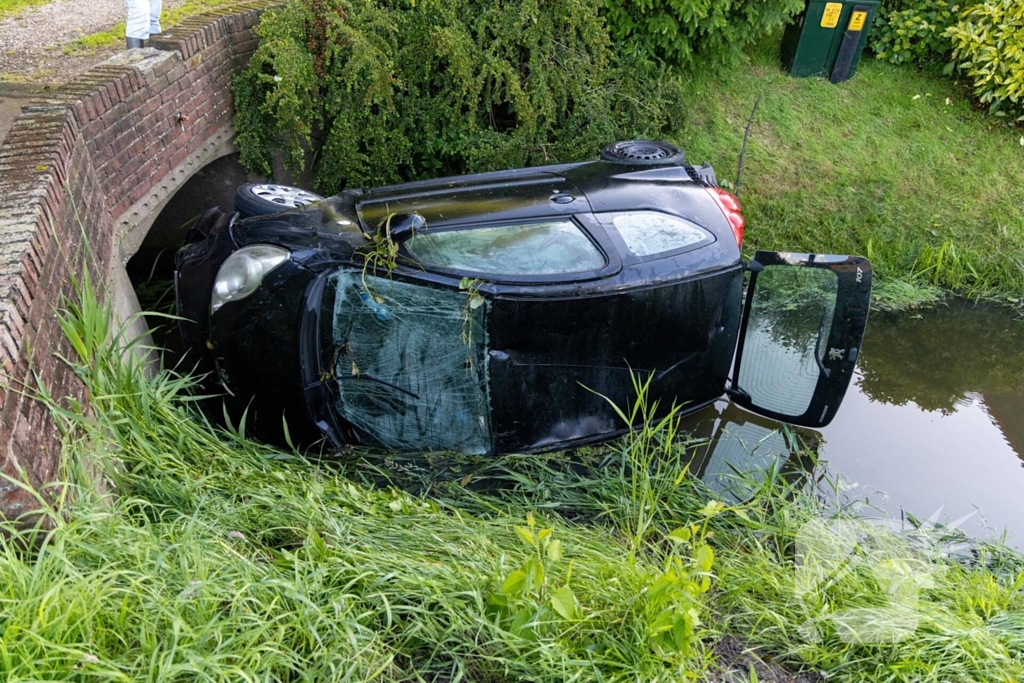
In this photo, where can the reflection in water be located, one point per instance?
(935, 420)
(790, 319)
(936, 359)
(743, 448)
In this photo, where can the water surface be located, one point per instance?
(933, 422)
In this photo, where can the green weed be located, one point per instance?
(218, 558)
(222, 559)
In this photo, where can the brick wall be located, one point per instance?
(88, 161)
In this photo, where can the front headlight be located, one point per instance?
(242, 272)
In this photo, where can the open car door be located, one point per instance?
(800, 335)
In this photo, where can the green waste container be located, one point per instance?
(828, 38)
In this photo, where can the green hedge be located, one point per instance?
(681, 32)
(988, 47)
(388, 91)
(914, 31)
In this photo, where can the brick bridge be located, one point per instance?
(98, 158)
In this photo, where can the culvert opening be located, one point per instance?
(151, 269)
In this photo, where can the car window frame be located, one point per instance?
(589, 227)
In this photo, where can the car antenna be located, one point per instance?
(743, 149)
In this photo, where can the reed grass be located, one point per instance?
(217, 558)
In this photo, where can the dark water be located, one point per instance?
(933, 423)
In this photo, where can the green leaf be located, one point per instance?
(526, 536)
(514, 583)
(564, 602)
(680, 535)
(555, 550)
(705, 557)
(534, 573)
(543, 533)
(712, 508)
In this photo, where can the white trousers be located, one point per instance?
(143, 18)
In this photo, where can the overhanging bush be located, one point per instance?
(392, 91)
(680, 31)
(913, 32)
(988, 46)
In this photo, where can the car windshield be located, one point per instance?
(547, 248)
(409, 363)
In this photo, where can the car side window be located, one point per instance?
(646, 233)
(544, 248)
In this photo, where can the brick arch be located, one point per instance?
(96, 160)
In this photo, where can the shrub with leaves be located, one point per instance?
(389, 91)
(915, 32)
(680, 32)
(988, 46)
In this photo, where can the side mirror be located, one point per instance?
(401, 227)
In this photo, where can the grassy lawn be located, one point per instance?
(893, 164)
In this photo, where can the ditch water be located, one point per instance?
(932, 423)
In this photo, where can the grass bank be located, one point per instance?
(893, 164)
(221, 559)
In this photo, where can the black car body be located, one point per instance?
(510, 311)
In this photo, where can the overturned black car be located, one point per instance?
(508, 311)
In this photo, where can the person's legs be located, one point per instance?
(154, 16)
(136, 27)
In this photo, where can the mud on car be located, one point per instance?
(509, 311)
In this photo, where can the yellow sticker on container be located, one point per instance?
(830, 19)
(857, 20)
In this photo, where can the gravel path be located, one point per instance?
(31, 44)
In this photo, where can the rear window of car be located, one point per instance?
(646, 233)
(543, 248)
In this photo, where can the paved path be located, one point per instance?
(31, 43)
(32, 56)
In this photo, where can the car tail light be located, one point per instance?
(730, 206)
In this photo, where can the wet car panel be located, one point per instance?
(512, 319)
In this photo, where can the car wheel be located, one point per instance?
(260, 199)
(642, 153)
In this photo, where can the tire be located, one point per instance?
(643, 153)
(262, 199)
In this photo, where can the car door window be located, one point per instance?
(543, 248)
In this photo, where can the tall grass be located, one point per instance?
(222, 559)
(217, 558)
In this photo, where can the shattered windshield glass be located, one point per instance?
(409, 363)
(549, 248)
